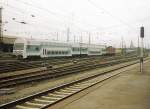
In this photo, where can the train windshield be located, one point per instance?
(18, 46)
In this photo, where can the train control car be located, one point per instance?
(25, 48)
(20, 47)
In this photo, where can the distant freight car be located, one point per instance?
(110, 50)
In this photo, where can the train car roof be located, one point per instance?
(44, 41)
(38, 41)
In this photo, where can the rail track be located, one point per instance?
(7, 66)
(15, 65)
(51, 96)
(11, 81)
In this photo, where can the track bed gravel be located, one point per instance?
(44, 85)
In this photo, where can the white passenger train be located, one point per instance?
(25, 48)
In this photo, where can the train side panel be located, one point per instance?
(55, 50)
(38, 48)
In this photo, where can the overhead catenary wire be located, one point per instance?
(23, 12)
(111, 15)
(130, 27)
(52, 13)
(17, 11)
(56, 14)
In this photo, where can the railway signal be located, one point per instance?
(141, 54)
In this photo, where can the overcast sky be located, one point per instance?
(107, 21)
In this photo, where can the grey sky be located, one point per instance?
(106, 20)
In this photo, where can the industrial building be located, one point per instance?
(7, 43)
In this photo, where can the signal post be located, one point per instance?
(141, 51)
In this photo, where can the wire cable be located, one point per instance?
(108, 13)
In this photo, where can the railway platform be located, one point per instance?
(129, 90)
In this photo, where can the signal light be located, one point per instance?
(142, 32)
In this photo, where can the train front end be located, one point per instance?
(19, 48)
